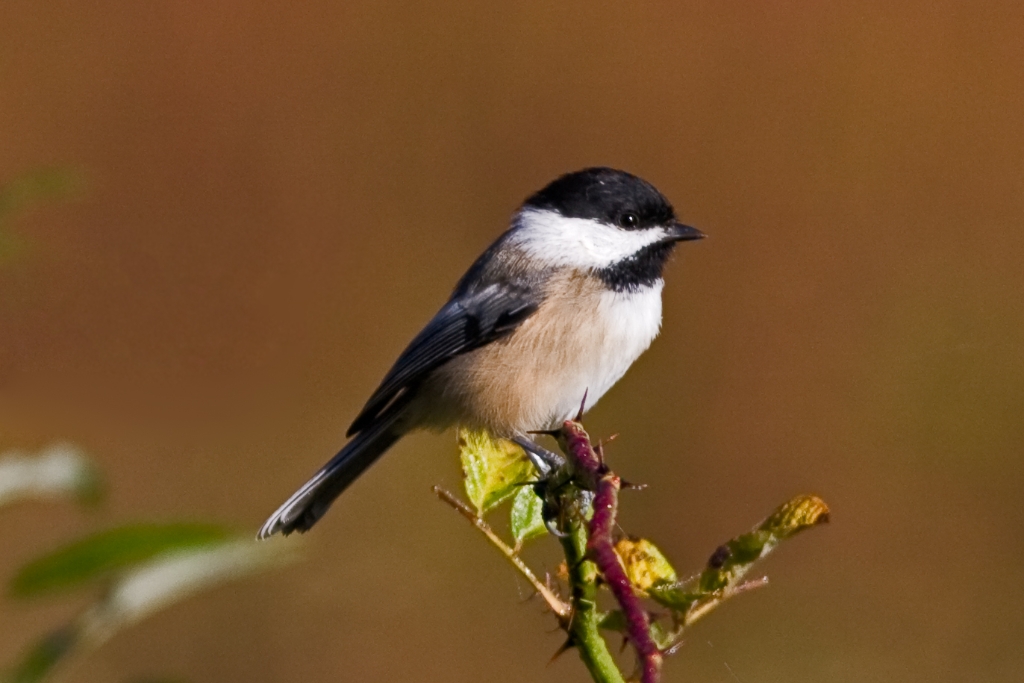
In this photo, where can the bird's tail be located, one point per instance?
(309, 503)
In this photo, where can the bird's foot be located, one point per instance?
(544, 461)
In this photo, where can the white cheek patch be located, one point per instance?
(581, 243)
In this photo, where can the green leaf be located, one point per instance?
(527, 516)
(677, 597)
(98, 556)
(494, 468)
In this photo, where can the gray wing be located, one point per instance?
(467, 322)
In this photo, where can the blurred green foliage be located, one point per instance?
(100, 555)
(140, 567)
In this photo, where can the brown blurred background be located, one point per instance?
(278, 197)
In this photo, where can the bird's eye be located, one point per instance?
(628, 220)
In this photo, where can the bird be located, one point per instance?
(557, 308)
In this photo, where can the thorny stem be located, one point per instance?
(591, 471)
(581, 619)
(561, 610)
(583, 629)
(591, 556)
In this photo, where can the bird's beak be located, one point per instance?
(677, 232)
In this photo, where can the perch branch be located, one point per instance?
(584, 631)
(561, 610)
(591, 472)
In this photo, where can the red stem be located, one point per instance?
(592, 474)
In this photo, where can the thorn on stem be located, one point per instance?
(567, 645)
(583, 405)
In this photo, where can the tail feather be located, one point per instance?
(307, 505)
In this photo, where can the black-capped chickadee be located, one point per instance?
(556, 309)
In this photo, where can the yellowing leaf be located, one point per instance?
(798, 514)
(645, 565)
(494, 468)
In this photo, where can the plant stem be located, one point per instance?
(591, 472)
(583, 628)
(561, 610)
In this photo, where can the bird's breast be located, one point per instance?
(580, 341)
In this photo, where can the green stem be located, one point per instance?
(583, 630)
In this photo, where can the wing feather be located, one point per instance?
(465, 323)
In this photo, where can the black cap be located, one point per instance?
(607, 195)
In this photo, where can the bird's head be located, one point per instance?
(604, 221)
